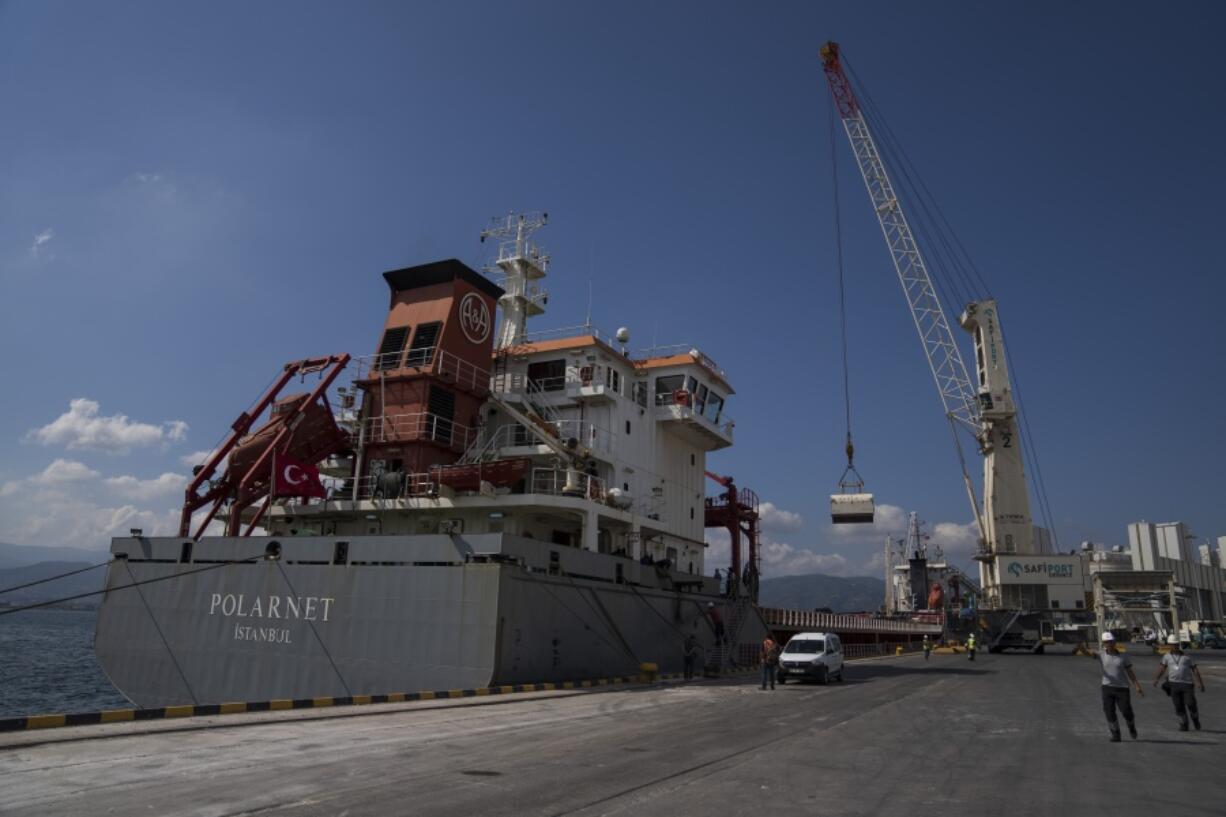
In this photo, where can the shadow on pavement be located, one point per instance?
(1188, 742)
(868, 672)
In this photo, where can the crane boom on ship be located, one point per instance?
(987, 411)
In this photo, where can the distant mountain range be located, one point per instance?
(22, 555)
(21, 565)
(86, 582)
(817, 590)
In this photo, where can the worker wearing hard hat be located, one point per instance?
(1181, 669)
(970, 646)
(1117, 677)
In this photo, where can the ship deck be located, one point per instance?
(1013, 734)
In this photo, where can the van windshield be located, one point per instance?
(807, 646)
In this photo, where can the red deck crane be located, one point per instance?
(737, 512)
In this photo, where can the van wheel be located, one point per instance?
(840, 676)
(825, 677)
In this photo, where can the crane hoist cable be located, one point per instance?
(851, 504)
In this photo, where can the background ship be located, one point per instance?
(472, 506)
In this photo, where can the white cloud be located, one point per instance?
(195, 458)
(782, 559)
(81, 427)
(61, 471)
(956, 539)
(39, 247)
(773, 518)
(146, 489)
(838, 550)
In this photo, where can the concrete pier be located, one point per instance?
(1006, 735)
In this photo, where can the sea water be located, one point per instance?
(47, 664)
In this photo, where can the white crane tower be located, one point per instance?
(987, 412)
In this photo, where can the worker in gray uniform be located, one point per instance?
(1181, 670)
(1117, 678)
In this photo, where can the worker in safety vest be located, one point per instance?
(927, 647)
(970, 646)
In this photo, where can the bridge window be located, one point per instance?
(549, 375)
(715, 405)
(665, 386)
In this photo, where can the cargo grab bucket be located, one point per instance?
(847, 509)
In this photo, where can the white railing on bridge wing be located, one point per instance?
(670, 408)
(393, 485)
(554, 481)
(588, 434)
(416, 427)
(431, 359)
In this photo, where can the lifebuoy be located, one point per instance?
(681, 397)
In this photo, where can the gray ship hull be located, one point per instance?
(379, 614)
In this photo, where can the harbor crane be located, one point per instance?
(984, 409)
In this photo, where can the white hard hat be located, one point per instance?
(710, 604)
(1107, 636)
(1173, 640)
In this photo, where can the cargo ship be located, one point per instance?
(471, 505)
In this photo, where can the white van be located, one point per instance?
(818, 656)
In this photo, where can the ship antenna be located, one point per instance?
(520, 265)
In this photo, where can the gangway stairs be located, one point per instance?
(525, 402)
(723, 657)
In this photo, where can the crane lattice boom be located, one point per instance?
(953, 382)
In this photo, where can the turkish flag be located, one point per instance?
(297, 478)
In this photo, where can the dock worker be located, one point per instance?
(927, 647)
(970, 646)
(689, 653)
(770, 661)
(1117, 677)
(1181, 669)
(717, 622)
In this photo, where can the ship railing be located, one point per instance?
(588, 434)
(387, 485)
(842, 622)
(520, 383)
(680, 407)
(561, 482)
(418, 426)
(700, 357)
(430, 360)
(582, 330)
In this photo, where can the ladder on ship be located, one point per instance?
(723, 657)
(525, 402)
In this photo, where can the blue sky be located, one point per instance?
(193, 195)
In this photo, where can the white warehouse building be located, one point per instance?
(1168, 546)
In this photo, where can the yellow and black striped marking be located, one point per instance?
(205, 710)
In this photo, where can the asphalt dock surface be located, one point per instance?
(1005, 735)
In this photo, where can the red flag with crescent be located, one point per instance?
(297, 478)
